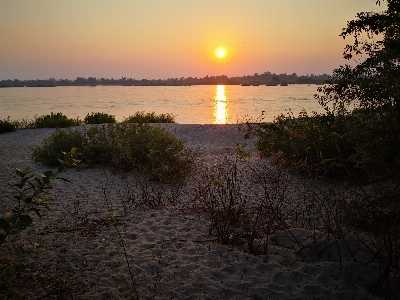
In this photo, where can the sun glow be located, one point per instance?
(220, 52)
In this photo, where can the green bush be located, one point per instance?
(6, 125)
(124, 146)
(142, 117)
(161, 153)
(361, 142)
(308, 142)
(99, 118)
(54, 120)
(60, 141)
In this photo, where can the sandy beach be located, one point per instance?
(170, 250)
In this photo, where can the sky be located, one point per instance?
(160, 39)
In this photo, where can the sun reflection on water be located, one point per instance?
(220, 105)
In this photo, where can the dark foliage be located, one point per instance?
(6, 126)
(142, 117)
(54, 120)
(99, 118)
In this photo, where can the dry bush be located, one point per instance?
(250, 205)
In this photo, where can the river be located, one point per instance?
(198, 104)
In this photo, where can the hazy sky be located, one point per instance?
(156, 39)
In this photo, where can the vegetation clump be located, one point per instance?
(54, 120)
(58, 120)
(142, 117)
(6, 125)
(124, 146)
(358, 144)
(99, 118)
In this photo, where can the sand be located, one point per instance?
(170, 250)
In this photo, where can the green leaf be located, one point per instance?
(38, 180)
(66, 158)
(19, 185)
(74, 151)
(63, 179)
(62, 167)
(28, 170)
(48, 174)
(26, 219)
(26, 198)
(4, 224)
(48, 199)
(19, 172)
(37, 245)
(44, 200)
(19, 226)
(25, 180)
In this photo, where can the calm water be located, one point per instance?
(204, 104)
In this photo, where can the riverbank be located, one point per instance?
(170, 250)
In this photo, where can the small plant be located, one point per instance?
(99, 118)
(55, 120)
(238, 213)
(218, 193)
(31, 197)
(142, 117)
(6, 126)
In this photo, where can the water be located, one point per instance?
(204, 104)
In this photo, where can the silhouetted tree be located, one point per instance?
(374, 81)
(275, 79)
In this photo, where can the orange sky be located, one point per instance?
(171, 38)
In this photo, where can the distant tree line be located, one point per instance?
(264, 78)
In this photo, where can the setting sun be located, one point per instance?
(220, 52)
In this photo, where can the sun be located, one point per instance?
(220, 52)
